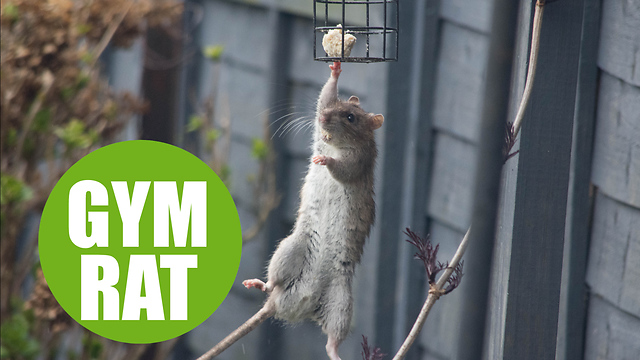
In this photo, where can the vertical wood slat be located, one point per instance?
(276, 229)
(478, 258)
(392, 160)
(417, 164)
(496, 312)
(571, 340)
(541, 194)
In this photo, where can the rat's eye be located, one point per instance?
(351, 118)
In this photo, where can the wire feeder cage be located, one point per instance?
(380, 29)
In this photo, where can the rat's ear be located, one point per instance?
(354, 100)
(376, 121)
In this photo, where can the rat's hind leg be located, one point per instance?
(335, 319)
(332, 348)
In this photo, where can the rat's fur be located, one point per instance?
(310, 274)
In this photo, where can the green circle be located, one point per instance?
(206, 285)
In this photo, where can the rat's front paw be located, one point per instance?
(336, 69)
(321, 159)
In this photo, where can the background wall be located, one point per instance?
(432, 100)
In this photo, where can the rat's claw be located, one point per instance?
(320, 160)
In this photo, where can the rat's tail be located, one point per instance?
(267, 311)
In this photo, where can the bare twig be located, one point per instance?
(436, 291)
(533, 62)
(106, 38)
(47, 82)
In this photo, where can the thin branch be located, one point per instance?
(108, 35)
(47, 83)
(434, 293)
(533, 62)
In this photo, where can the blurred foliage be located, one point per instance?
(55, 108)
(213, 52)
(16, 341)
(259, 149)
(195, 123)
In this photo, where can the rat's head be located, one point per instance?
(345, 124)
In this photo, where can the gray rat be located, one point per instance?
(311, 272)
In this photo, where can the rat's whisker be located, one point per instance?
(293, 123)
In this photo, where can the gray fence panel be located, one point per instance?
(611, 334)
(619, 39)
(452, 184)
(475, 14)
(614, 259)
(616, 163)
(460, 81)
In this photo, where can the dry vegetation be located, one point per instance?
(56, 107)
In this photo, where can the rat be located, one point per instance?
(310, 274)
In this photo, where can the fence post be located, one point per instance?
(542, 186)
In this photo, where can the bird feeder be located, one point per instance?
(370, 26)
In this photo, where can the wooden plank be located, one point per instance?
(460, 80)
(541, 194)
(475, 14)
(486, 189)
(452, 184)
(235, 87)
(620, 40)
(497, 304)
(297, 170)
(392, 159)
(242, 166)
(574, 293)
(292, 114)
(611, 334)
(417, 164)
(616, 159)
(279, 55)
(614, 258)
(125, 69)
(222, 26)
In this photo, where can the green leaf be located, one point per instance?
(213, 135)
(11, 137)
(67, 93)
(17, 343)
(82, 80)
(195, 123)
(41, 120)
(83, 28)
(225, 175)
(13, 190)
(259, 149)
(213, 52)
(75, 135)
(86, 57)
(11, 11)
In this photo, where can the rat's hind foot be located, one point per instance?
(256, 283)
(332, 348)
(336, 69)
